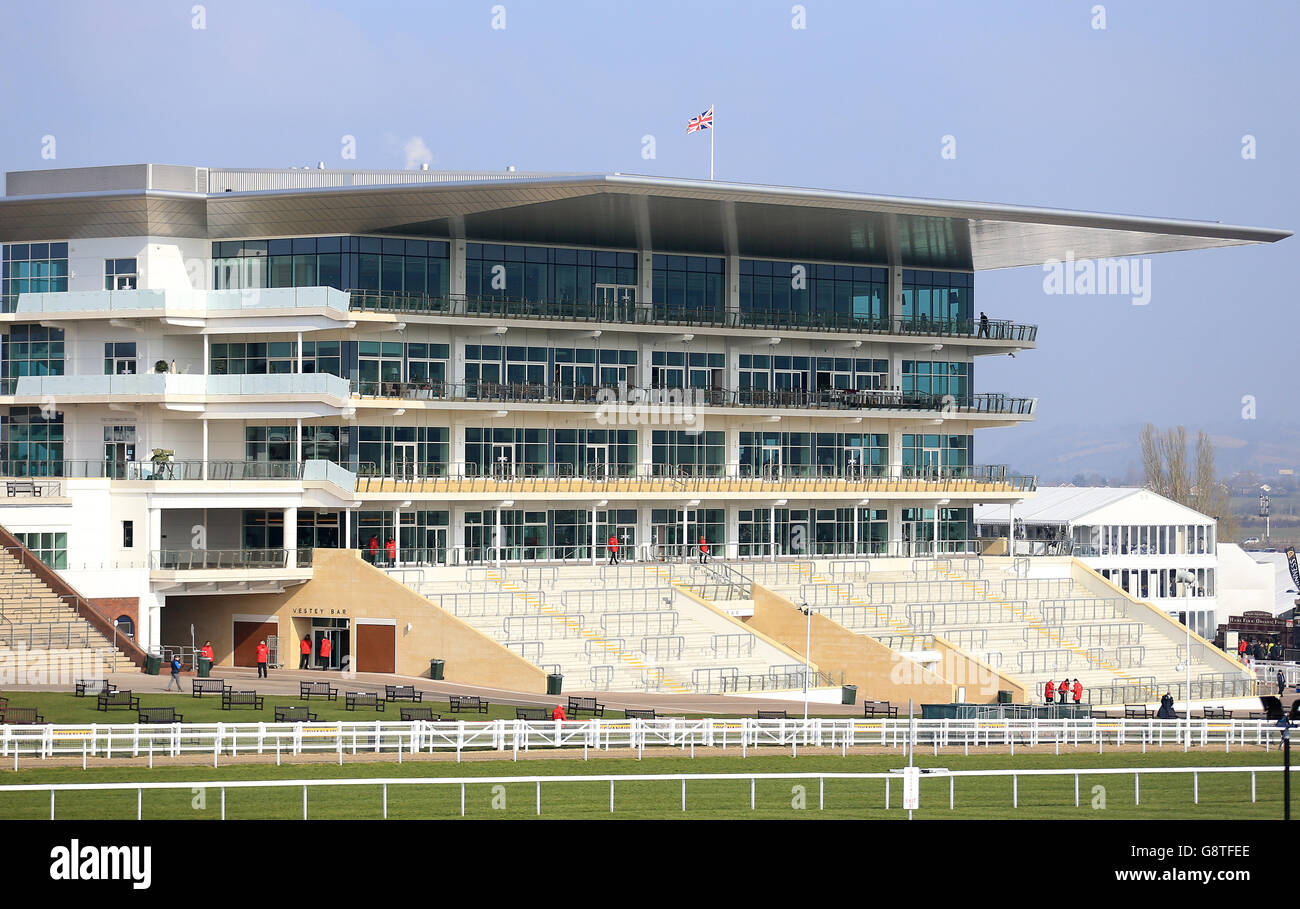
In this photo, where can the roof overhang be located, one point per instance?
(629, 212)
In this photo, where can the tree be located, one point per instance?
(1168, 472)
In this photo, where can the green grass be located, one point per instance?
(1164, 797)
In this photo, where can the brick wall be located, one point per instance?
(112, 607)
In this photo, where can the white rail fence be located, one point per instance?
(380, 736)
(384, 783)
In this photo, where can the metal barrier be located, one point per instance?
(858, 616)
(638, 623)
(1044, 660)
(1108, 635)
(970, 612)
(924, 591)
(732, 646)
(1038, 588)
(825, 594)
(1082, 609)
(845, 569)
(927, 569)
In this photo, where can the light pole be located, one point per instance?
(1264, 513)
(1273, 710)
(807, 653)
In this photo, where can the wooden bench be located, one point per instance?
(467, 702)
(879, 708)
(20, 716)
(577, 705)
(294, 715)
(632, 714)
(1254, 715)
(402, 693)
(772, 715)
(1216, 713)
(308, 690)
(354, 699)
(22, 488)
(122, 698)
(532, 713)
(149, 715)
(85, 686)
(1138, 712)
(200, 687)
(231, 699)
(412, 714)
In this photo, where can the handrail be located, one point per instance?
(649, 313)
(65, 591)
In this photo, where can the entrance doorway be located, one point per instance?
(336, 630)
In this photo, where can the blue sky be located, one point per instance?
(1145, 116)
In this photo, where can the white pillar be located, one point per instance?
(299, 353)
(1011, 529)
(155, 532)
(771, 543)
(346, 517)
(291, 537)
(207, 353)
(732, 284)
(456, 278)
(205, 446)
(593, 535)
(935, 545)
(299, 438)
(397, 533)
(153, 619)
(496, 536)
(856, 534)
(686, 543)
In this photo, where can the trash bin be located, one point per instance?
(152, 663)
(554, 682)
(1004, 697)
(849, 694)
(205, 667)
(436, 669)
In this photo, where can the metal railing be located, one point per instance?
(648, 313)
(684, 399)
(224, 559)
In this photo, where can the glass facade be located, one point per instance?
(396, 265)
(514, 452)
(692, 454)
(31, 268)
(775, 453)
(945, 298)
(956, 528)
(32, 442)
(30, 350)
(404, 452)
(926, 455)
(940, 379)
(50, 548)
(775, 291)
(684, 283)
(544, 274)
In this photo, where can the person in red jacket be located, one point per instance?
(704, 551)
(612, 546)
(263, 657)
(1050, 691)
(1063, 689)
(1078, 691)
(304, 648)
(391, 549)
(206, 651)
(558, 713)
(325, 647)
(374, 550)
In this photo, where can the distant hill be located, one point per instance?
(1057, 454)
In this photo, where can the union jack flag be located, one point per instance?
(703, 121)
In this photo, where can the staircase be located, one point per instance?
(37, 618)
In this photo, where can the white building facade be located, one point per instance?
(206, 374)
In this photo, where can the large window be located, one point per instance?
(393, 265)
(688, 285)
(31, 268)
(404, 452)
(32, 442)
(939, 298)
(680, 453)
(31, 350)
(50, 548)
(544, 274)
(119, 274)
(939, 379)
(927, 455)
(801, 292)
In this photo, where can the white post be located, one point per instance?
(204, 474)
(771, 544)
(496, 536)
(686, 545)
(291, 537)
(712, 127)
(299, 353)
(593, 535)
(856, 534)
(299, 437)
(1011, 529)
(807, 658)
(397, 533)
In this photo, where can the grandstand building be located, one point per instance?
(220, 387)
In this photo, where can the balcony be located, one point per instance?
(732, 480)
(825, 399)
(170, 385)
(690, 316)
(181, 302)
(50, 482)
(218, 571)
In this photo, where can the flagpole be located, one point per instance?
(712, 126)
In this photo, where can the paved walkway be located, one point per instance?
(284, 682)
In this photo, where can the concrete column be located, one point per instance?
(733, 531)
(155, 532)
(299, 439)
(1011, 529)
(895, 292)
(299, 353)
(456, 284)
(397, 530)
(152, 625)
(594, 541)
(207, 353)
(291, 536)
(857, 548)
(645, 280)
(345, 515)
(771, 530)
(205, 449)
(731, 284)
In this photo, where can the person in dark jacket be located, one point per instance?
(1281, 683)
(1166, 711)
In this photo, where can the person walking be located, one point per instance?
(704, 551)
(304, 649)
(390, 549)
(1241, 649)
(612, 545)
(325, 648)
(176, 674)
(1281, 683)
(1049, 690)
(984, 325)
(263, 658)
